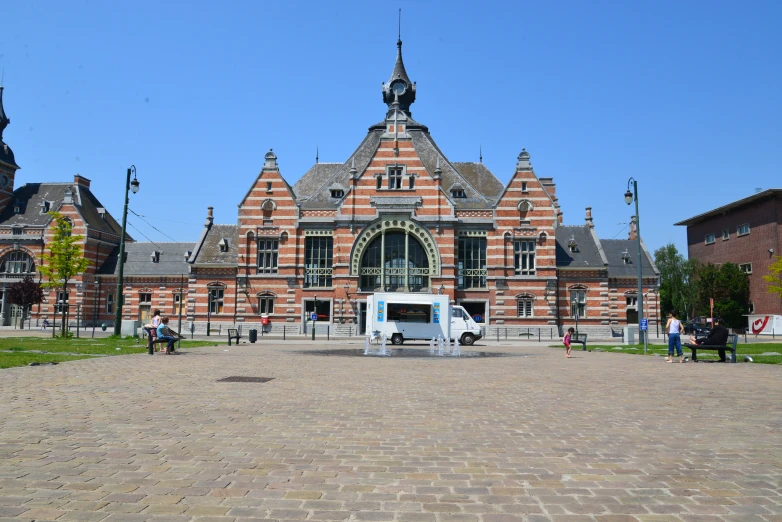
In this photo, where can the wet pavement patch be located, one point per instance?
(408, 353)
(238, 378)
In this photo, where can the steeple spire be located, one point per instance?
(399, 83)
(4, 120)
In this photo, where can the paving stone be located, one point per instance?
(341, 439)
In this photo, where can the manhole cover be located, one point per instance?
(238, 378)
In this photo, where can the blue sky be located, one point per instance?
(683, 96)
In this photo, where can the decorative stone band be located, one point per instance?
(318, 232)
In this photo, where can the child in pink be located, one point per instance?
(566, 341)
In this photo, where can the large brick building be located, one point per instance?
(397, 215)
(746, 232)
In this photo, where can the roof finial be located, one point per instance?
(316, 154)
(480, 153)
(399, 33)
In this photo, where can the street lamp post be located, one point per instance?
(129, 186)
(208, 311)
(629, 198)
(315, 311)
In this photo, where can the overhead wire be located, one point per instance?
(153, 226)
(143, 234)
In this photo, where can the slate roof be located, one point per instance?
(312, 180)
(588, 254)
(171, 262)
(613, 249)
(207, 249)
(30, 196)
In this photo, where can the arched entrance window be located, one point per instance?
(397, 257)
(17, 262)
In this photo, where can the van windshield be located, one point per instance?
(464, 314)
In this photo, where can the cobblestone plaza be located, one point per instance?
(533, 437)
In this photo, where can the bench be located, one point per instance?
(729, 347)
(152, 342)
(233, 333)
(580, 338)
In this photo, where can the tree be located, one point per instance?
(66, 259)
(775, 278)
(729, 287)
(677, 293)
(25, 293)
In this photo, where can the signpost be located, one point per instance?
(644, 327)
(313, 316)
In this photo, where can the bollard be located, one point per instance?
(498, 335)
(538, 334)
(506, 333)
(283, 332)
(551, 333)
(328, 332)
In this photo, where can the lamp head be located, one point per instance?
(628, 197)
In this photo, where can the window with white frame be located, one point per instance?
(318, 260)
(524, 257)
(109, 303)
(177, 302)
(746, 268)
(524, 307)
(725, 235)
(709, 239)
(267, 255)
(471, 262)
(578, 302)
(266, 304)
(216, 295)
(17, 262)
(631, 300)
(62, 302)
(743, 230)
(145, 298)
(337, 193)
(395, 177)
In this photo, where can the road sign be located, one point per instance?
(644, 324)
(576, 316)
(313, 316)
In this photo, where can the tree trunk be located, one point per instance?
(63, 325)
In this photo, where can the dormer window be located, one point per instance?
(101, 213)
(626, 257)
(457, 191)
(44, 207)
(155, 256)
(224, 245)
(17, 207)
(337, 193)
(188, 253)
(572, 244)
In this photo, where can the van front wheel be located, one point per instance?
(397, 339)
(468, 339)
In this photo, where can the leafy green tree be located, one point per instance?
(677, 293)
(774, 279)
(25, 293)
(729, 287)
(65, 260)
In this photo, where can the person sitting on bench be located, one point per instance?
(717, 337)
(164, 333)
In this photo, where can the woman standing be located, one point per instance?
(674, 328)
(151, 328)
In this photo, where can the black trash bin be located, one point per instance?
(253, 335)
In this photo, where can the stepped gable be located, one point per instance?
(208, 250)
(614, 248)
(139, 261)
(587, 254)
(31, 197)
(315, 183)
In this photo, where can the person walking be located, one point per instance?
(566, 341)
(674, 327)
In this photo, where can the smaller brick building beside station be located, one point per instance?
(746, 232)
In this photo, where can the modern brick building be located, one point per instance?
(397, 215)
(746, 232)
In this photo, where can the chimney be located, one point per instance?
(209, 217)
(632, 234)
(560, 218)
(549, 186)
(589, 222)
(81, 181)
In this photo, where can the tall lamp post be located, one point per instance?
(132, 186)
(315, 311)
(631, 196)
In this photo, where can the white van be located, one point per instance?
(419, 317)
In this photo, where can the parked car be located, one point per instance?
(698, 326)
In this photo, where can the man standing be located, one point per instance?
(717, 337)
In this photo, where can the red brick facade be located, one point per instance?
(715, 237)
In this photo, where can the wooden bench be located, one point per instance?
(152, 342)
(580, 338)
(233, 333)
(730, 346)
